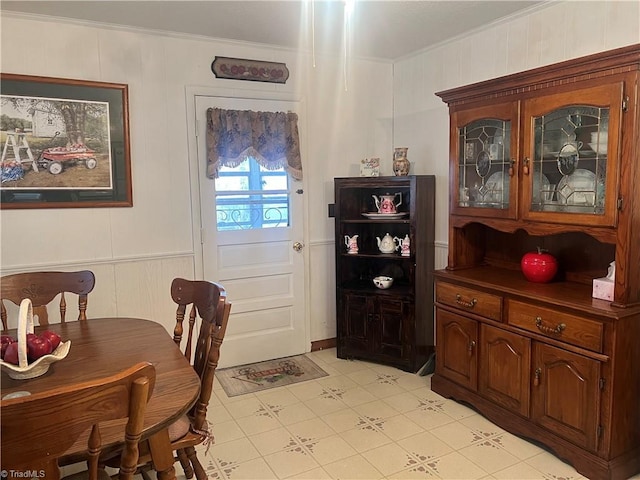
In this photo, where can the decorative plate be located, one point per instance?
(40, 366)
(375, 215)
(578, 188)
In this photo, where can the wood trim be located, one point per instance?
(602, 64)
(323, 344)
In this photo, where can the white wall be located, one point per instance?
(552, 33)
(136, 252)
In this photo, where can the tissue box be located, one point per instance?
(603, 288)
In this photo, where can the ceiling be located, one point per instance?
(379, 29)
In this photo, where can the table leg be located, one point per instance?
(162, 455)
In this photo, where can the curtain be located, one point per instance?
(271, 138)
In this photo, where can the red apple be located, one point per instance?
(5, 340)
(38, 347)
(53, 337)
(539, 267)
(11, 353)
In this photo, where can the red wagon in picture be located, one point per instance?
(56, 158)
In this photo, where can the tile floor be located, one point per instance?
(364, 421)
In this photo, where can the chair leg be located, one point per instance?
(197, 467)
(186, 463)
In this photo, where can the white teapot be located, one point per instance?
(387, 244)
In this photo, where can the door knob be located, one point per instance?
(298, 246)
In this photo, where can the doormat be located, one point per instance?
(256, 377)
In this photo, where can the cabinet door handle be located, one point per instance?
(471, 346)
(470, 304)
(536, 377)
(525, 168)
(512, 167)
(549, 330)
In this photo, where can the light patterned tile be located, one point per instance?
(489, 455)
(399, 427)
(224, 458)
(250, 470)
(329, 402)
(429, 418)
(272, 441)
(377, 409)
(552, 467)
(459, 435)
(521, 471)
(478, 422)
(304, 391)
(342, 420)
(357, 396)
(517, 446)
(277, 396)
(403, 402)
(384, 389)
(330, 449)
(339, 382)
(226, 431)
(218, 414)
(295, 413)
(349, 366)
(454, 466)
(315, 474)
(291, 462)
(424, 446)
(244, 408)
(390, 459)
(313, 428)
(353, 468)
(261, 421)
(365, 437)
(413, 382)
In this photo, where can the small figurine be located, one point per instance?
(405, 245)
(351, 243)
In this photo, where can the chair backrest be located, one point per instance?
(208, 301)
(38, 429)
(42, 288)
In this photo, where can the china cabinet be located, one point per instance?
(547, 158)
(391, 221)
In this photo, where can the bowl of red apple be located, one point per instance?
(29, 355)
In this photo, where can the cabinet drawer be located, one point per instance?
(561, 326)
(470, 300)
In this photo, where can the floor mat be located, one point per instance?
(255, 377)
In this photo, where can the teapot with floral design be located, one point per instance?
(386, 203)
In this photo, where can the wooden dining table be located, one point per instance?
(101, 347)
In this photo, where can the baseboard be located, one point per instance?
(323, 344)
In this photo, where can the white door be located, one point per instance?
(258, 257)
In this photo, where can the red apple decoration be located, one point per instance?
(539, 267)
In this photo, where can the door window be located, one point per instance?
(249, 196)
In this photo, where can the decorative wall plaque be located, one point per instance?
(253, 70)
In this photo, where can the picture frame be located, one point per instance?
(65, 143)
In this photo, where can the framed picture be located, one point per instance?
(65, 143)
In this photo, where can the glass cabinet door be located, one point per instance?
(570, 163)
(484, 169)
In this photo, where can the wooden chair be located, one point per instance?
(42, 288)
(208, 300)
(38, 429)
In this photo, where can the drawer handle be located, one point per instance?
(536, 377)
(548, 330)
(470, 304)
